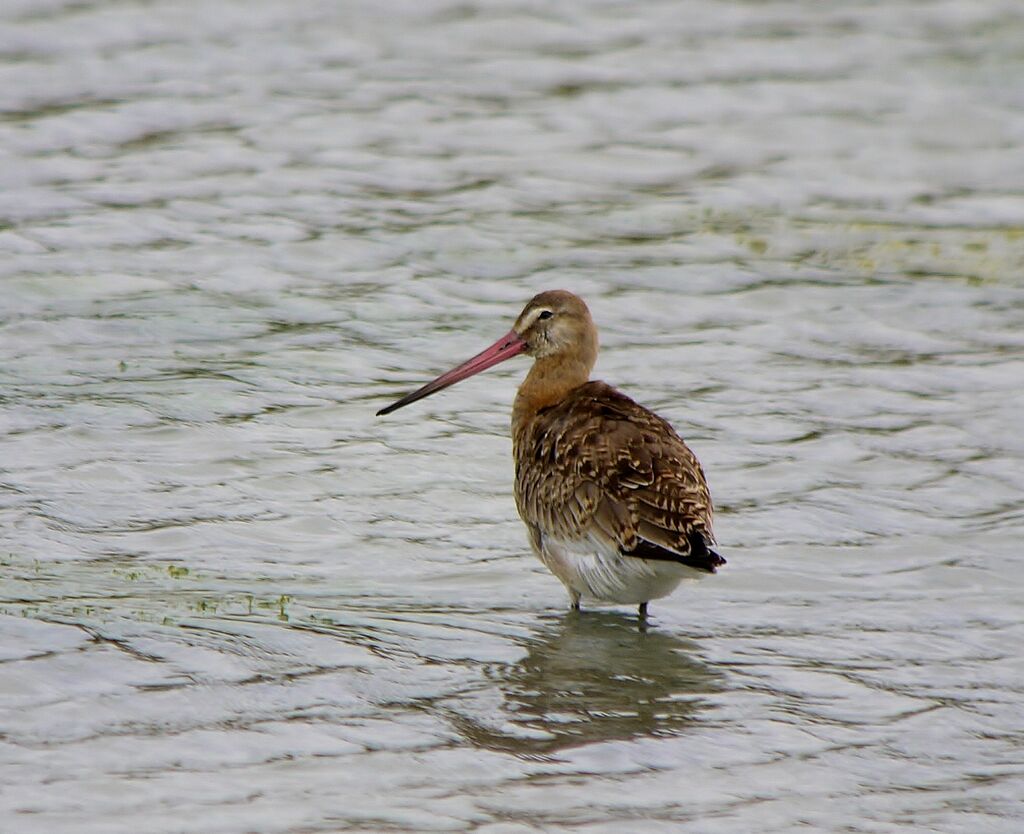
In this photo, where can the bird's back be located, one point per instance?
(598, 466)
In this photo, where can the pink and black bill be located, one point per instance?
(506, 347)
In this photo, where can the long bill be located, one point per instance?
(506, 347)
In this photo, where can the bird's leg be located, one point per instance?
(574, 601)
(641, 618)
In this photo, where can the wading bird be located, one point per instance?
(615, 503)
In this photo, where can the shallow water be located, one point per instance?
(232, 600)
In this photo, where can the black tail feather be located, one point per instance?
(700, 557)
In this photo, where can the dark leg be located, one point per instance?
(641, 612)
(574, 601)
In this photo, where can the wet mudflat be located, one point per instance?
(231, 600)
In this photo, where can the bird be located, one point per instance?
(615, 503)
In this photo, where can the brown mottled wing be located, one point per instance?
(599, 466)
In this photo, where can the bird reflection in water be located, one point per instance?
(591, 678)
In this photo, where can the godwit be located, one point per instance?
(615, 502)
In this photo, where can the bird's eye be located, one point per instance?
(545, 314)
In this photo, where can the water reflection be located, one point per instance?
(593, 677)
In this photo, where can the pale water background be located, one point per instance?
(231, 600)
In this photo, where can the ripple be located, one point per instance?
(231, 599)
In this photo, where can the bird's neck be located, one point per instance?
(550, 379)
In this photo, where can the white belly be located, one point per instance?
(586, 570)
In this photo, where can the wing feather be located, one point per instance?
(598, 465)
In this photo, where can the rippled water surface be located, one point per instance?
(231, 600)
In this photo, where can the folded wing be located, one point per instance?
(599, 466)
